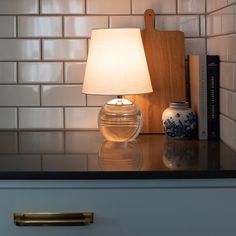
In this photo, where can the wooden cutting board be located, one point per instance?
(165, 57)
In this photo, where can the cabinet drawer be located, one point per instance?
(124, 212)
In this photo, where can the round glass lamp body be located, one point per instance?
(120, 120)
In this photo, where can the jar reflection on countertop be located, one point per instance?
(120, 156)
(179, 121)
(180, 154)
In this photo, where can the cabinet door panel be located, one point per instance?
(124, 212)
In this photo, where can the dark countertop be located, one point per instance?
(85, 155)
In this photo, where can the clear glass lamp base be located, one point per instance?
(120, 120)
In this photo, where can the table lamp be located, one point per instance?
(117, 65)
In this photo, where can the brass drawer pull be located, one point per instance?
(53, 219)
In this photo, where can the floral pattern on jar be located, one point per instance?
(179, 120)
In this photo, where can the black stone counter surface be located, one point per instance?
(86, 155)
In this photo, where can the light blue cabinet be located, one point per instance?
(124, 207)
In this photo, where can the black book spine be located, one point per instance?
(213, 84)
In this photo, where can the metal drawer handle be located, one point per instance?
(53, 218)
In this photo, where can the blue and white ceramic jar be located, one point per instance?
(179, 121)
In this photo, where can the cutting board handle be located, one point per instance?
(149, 18)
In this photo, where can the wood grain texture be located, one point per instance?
(165, 57)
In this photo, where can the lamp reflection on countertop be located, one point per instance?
(120, 156)
(177, 155)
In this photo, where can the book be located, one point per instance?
(213, 74)
(198, 92)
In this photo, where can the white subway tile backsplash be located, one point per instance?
(214, 24)
(19, 95)
(215, 4)
(7, 72)
(234, 77)
(228, 19)
(191, 6)
(19, 49)
(40, 72)
(63, 6)
(203, 25)
(8, 142)
(231, 47)
(159, 6)
(39, 26)
(74, 72)
(98, 100)
(218, 46)
(81, 26)
(195, 46)
(7, 26)
(227, 75)
(127, 21)
(82, 118)
(224, 100)
(18, 7)
(41, 118)
(8, 118)
(188, 24)
(108, 7)
(65, 49)
(227, 131)
(63, 95)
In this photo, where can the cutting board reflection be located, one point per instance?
(165, 57)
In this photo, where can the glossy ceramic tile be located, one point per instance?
(231, 47)
(81, 26)
(74, 72)
(20, 162)
(108, 7)
(63, 6)
(7, 26)
(227, 131)
(8, 142)
(65, 49)
(127, 21)
(227, 103)
(224, 100)
(203, 25)
(188, 24)
(195, 46)
(159, 6)
(227, 75)
(63, 95)
(41, 118)
(191, 6)
(218, 46)
(8, 118)
(64, 162)
(39, 26)
(7, 72)
(228, 19)
(19, 95)
(214, 24)
(83, 118)
(41, 142)
(40, 72)
(79, 142)
(98, 100)
(16, 7)
(19, 49)
(215, 4)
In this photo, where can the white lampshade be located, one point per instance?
(116, 63)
